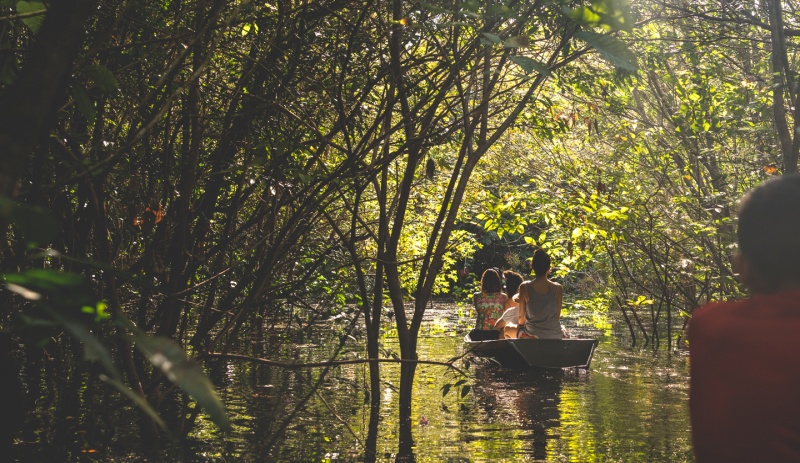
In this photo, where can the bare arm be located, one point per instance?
(559, 298)
(522, 303)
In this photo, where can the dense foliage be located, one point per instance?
(192, 177)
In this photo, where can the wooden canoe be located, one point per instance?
(531, 353)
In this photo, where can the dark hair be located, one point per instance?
(540, 263)
(769, 230)
(490, 281)
(513, 280)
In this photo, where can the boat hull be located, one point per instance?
(532, 353)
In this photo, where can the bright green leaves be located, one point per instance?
(639, 302)
(99, 311)
(504, 216)
(612, 49)
(609, 14)
(712, 103)
(248, 28)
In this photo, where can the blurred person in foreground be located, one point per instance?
(745, 355)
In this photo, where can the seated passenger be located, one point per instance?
(510, 315)
(541, 300)
(489, 302)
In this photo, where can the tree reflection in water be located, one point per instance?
(630, 406)
(529, 397)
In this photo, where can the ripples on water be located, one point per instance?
(631, 406)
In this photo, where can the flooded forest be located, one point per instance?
(243, 231)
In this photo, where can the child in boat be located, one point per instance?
(511, 313)
(489, 302)
(744, 397)
(540, 301)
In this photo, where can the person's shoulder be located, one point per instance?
(712, 316)
(715, 309)
(712, 309)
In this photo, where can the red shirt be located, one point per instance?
(745, 379)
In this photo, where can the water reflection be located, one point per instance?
(631, 407)
(532, 397)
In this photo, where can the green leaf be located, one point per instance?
(584, 15)
(83, 103)
(33, 22)
(530, 65)
(465, 390)
(93, 349)
(446, 389)
(140, 401)
(103, 78)
(612, 49)
(247, 28)
(168, 357)
(49, 282)
(99, 312)
(610, 14)
(492, 38)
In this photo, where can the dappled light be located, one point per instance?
(257, 231)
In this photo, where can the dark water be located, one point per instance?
(631, 406)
